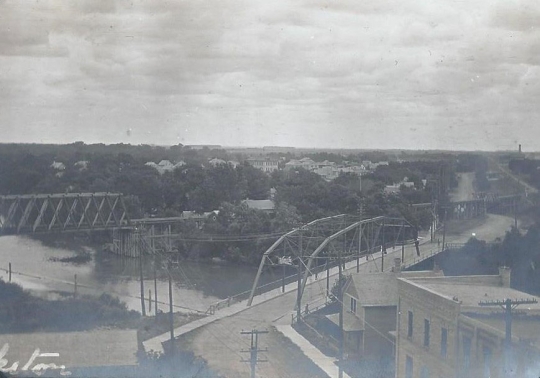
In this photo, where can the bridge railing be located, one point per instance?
(307, 310)
(274, 285)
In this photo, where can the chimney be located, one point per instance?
(397, 265)
(505, 273)
(520, 148)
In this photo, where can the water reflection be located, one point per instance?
(197, 285)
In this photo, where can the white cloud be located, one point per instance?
(251, 72)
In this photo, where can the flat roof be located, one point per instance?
(351, 322)
(525, 328)
(380, 289)
(470, 290)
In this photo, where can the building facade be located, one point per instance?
(267, 165)
(444, 332)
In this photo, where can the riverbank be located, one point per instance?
(23, 312)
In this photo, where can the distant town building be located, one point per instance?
(267, 206)
(203, 146)
(57, 165)
(328, 172)
(214, 162)
(233, 163)
(165, 166)
(326, 169)
(265, 164)
(81, 165)
(493, 176)
(395, 188)
(278, 149)
(304, 163)
(444, 331)
(369, 165)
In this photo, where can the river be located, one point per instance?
(35, 266)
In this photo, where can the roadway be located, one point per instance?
(465, 189)
(217, 338)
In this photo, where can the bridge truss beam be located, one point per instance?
(38, 213)
(356, 237)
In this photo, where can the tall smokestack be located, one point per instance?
(505, 274)
(520, 148)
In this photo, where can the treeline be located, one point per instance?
(526, 169)
(23, 312)
(520, 252)
(300, 196)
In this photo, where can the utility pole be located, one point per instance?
(254, 349)
(507, 305)
(155, 286)
(327, 278)
(361, 216)
(515, 213)
(299, 293)
(383, 248)
(444, 229)
(171, 315)
(340, 303)
(283, 279)
(143, 310)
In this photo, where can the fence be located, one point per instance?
(274, 285)
(308, 310)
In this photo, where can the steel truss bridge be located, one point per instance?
(502, 205)
(329, 241)
(78, 212)
(38, 213)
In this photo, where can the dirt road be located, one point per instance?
(465, 189)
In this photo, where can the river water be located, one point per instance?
(196, 285)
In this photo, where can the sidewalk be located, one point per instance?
(325, 363)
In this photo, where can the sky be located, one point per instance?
(407, 74)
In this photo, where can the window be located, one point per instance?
(424, 372)
(353, 305)
(409, 367)
(426, 333)
(444, 342)
(410, 325)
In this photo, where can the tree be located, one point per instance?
(257, 183)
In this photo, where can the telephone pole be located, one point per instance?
(141, 278)
(340, 303)
(254, 349)
(507, 305)
(361, 216)
(299, 272)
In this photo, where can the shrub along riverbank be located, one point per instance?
(23, 312)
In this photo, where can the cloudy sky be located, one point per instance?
(406, 74)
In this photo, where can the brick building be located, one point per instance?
(443, 332)
(265, 164)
